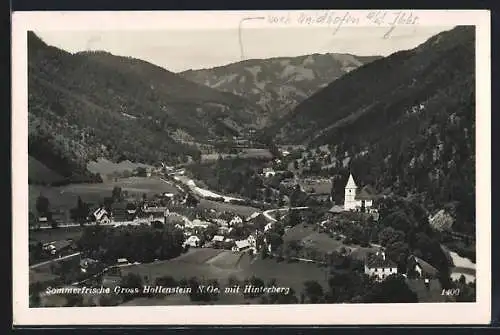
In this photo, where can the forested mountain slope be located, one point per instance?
(93, 104)
(407, 122)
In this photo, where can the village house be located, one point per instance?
(100, 215)
(43, 221)
(236, 220)
(268, 172)
(354, 200)
(199, 223)
(220, 222)
(59, 247)
(334, 211)
(258, 220)
(268, 226)
(217, 241)
(122, 261)
(88, 264)
(224, 231)
(241, 245)
(252, 240)
(380, 267)
(420, 268)
(192, 241)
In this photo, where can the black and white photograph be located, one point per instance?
(277, 159)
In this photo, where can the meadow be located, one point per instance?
(105, 167)
(206, 264)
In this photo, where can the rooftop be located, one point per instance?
(378, 260)
(336, 209)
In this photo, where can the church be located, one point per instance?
(354, 199)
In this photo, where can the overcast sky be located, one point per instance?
(179, 50)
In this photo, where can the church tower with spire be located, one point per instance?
(350, 194)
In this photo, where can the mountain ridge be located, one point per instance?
(278, 84)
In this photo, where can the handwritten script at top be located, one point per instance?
(337, 20)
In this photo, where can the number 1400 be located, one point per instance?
(450, 292)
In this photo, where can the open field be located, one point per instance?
(311, 238)
(221, 264)
(224, 206)
(105, 167)
(194, 264)
(323, 242)
(319, 186)
(291, 275)
(65, 197)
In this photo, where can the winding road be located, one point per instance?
(268, 216)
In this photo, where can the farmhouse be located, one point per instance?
(241, 245)
(43, 220)
(121, 261)
(220, 222)
(268, 226)
(100, 215)
(334, 211)
(421, 268)
(252, 240)
(235, 220)
(218, 238)
(379, 266)
(199, 223)
(259, 221)
(58, 247)
(268, 172)
(354, 200)
(192, 241)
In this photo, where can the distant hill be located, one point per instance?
(277, 85)
(93, 104)
(407, 122)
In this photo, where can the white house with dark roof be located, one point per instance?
(101, 215)
(218, 238)
(192, 241)
(377, 265)
(421, 268)
(235, 220)
(241, 245)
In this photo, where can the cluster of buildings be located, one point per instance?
(232, 232)
(380, 267)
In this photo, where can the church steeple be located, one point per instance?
(351, 183)
(350, 194)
